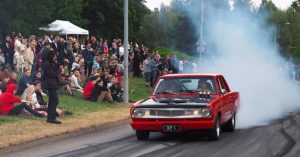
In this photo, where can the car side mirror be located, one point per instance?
(223, 91)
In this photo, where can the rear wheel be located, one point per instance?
(214, 134)
(142, 134)
(230, 125)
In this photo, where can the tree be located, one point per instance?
(27, 16)
(105, 17)
(24, 16)
(69, 10)
(288, 27)
(170, 27)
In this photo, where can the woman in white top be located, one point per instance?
(16, 60)
(75, 64)
(75, 81)
(30, 95)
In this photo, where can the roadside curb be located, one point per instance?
(63, 136)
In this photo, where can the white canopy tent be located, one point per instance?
(65, 28)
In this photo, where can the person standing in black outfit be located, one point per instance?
(136, 63)
(51, 72)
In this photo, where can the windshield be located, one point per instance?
(185, 85)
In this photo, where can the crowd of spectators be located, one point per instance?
(90, 67)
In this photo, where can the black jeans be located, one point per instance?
(153, 77)
(53, 101)
(18, 110)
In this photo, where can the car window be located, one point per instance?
(225, 84)
(221, 85)
(185, 85)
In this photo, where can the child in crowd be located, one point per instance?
(116, 90)
(24, 82)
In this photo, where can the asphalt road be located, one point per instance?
(282, 138)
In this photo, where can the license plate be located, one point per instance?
(171, 128)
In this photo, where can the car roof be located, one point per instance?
(190, 75)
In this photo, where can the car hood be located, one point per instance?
(174, 102)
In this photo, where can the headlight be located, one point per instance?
(205, 112)
(138, 113)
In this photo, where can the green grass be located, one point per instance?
(77, 105)
(12, 119)
(137, 89)
(9, 119)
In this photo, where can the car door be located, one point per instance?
(231, 97)
(225, 100)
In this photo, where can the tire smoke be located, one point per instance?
(240, 46)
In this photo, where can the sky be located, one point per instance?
(282, 4)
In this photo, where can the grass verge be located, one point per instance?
(16, 130)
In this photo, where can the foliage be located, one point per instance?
(169, 27)
(288, 29)
(69, 10)
(105, 17)
(163, 51)
(102, 17)
(24, 16)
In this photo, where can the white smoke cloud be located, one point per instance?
(244, 53)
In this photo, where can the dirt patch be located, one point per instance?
(30, 130)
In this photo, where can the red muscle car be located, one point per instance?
(186, 102)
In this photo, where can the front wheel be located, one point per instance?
(214, 134)
(142, 134)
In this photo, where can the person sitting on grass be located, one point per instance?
(105, 93)
(38, 97)
(34, 94)
(30, 95)
(64, 83)
(38, 77)
(76, 64)
(75, 81)
(24, 82)
(7, 101)
(116, 90)
(100, 93)
(88, 89)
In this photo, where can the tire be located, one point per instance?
(214, 134)
(142, 135)
(230, 125)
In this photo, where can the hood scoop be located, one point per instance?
(172, 100)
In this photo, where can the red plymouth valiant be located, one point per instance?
(186, 102)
